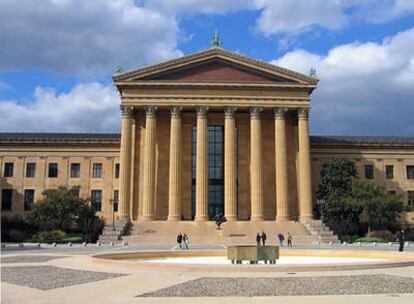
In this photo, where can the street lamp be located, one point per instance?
(113, 202)
(320, 203)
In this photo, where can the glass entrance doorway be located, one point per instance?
(215, 170)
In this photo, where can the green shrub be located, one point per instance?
(368, 239)
(53, 235)
(16, 235)
(384, 235)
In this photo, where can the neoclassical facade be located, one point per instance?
(214, 132)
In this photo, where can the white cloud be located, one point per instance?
(86, 38)
(87, 107)
(364, 88)
(4, 86)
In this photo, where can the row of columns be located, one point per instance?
(256, 183)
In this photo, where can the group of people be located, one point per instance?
(261, 239)
(182, 241)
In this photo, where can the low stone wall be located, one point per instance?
(237, 254)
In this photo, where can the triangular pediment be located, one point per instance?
(215, 65)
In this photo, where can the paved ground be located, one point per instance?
(66, 275)
(302, 286)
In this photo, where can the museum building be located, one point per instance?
(214, 132)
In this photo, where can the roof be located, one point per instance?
(116, 137)
(218, 52)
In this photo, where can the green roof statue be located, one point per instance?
(312, 72)
(119, 69)
(217, 41)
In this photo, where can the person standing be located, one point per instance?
(289, 239)
(185, 241)
(281, 238)
(258, 239)
(263, 237)
(179, 241)
(401, 239)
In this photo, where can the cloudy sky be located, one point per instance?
(57, 56)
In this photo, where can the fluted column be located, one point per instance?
(305, 194)
(230, 208)
(282, 205)
(125, 162)
(256, 185)
(201, 166)
(174, 197)
(148, 208)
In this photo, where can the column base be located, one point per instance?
(146, 218)
(174, 218)
(231, 217)
(201, 218)
(123, 217)
(256, 218)
(305, 217)
(283, 218)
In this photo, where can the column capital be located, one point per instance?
(127, 111)
(229, 112)
(202, 111)
(280, 112)
(255, 112)
(175, 111)
(303, 113)
(150, 111)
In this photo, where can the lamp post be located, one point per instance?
(113, 202)
(320, 203)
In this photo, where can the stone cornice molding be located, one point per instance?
(127, 111)
(303, 113)
(255, 112)
(280, 112)
(175, 111)
(151, 111)
(229, 112)
(201, 111)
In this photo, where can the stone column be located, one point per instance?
(305, 194)
(256, 185)
(148, 208)
(201, 166)
(282, 205)
(230, 195)
(174, 197)
(125, 162)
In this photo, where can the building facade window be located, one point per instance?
(410, 197)
(116, 200)
(410, 172)
(30, 169)
(28, 199)
(75, 170)
(96, 199)
(389, 171)
(8, 169)
(97, 171)
(116, 170)
(6, 199)
(392, 192)
(369, 171)
(53, 170)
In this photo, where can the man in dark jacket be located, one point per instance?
(258, 239)
(401, 239)
(179, 241)
(264, 237)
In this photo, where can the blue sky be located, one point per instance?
(56, 66)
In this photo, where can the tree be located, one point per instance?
(337, 177)
(379, 209)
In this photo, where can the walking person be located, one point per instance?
(185, 241)
(263, 237)
(401, 239)
(179, 241)
(281, 238)
(258, 239)
(289, 238)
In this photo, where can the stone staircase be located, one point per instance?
(109, 234)
(323, 232)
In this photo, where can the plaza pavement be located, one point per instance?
(69, 267)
